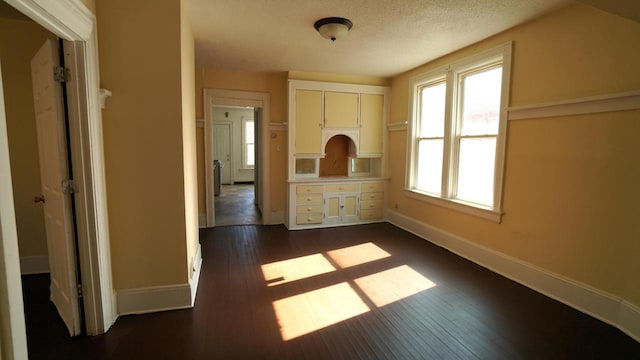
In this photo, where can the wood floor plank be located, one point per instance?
(467, 313)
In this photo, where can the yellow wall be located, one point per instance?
(273, 83)
(571, 197)
(140, 62)
(187, 62)
(19, 41)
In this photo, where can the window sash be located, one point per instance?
(453, 76)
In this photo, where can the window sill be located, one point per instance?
(466, 208)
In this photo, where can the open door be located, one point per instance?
(56, 195)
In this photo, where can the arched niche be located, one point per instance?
(337, 150)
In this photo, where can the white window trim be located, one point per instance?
(244, 143)
(447, 72)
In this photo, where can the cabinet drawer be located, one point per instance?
(309, 199)
(371, 214)
(309, 209)
(374, 186)
(371, 196)
(309, 189)
(308, 219)
(371, 204)
(342, 188)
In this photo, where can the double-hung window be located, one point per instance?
(457, 134)
(248, 141)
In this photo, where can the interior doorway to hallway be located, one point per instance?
(235, 162)
(249, 163)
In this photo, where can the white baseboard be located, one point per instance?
(161, 298)
(597, 303)
(154, 299)
(202, 220)
(34, 265)
(630, 320)
(195, 274)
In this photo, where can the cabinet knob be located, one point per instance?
(308, 199)
(309, 209)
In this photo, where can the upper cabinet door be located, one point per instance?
(371, 121)
(340, 110)
(308, 122)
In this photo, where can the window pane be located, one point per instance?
(248, 132)
(432, 110)
(429, 166)
(476, 170)
(250, 155)
(481, 102)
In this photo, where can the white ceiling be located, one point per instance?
(388, 36)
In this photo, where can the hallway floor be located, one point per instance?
(235, 206)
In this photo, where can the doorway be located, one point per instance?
(71, 21)
(234, 149)
(249, 163)
(38, 132)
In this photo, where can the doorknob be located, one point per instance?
(38, 199)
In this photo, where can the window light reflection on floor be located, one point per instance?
(314, 310)
(391, 285)
(311, 311)
(357, 255)
(281, 272)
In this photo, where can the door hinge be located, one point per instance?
(61, 74)
(69, 187)
(79, 291)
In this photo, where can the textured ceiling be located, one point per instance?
(388, 36)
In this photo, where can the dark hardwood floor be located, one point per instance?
(362, 292)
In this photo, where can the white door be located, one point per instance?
(54, 168)
(222, 150)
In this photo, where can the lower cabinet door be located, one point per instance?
(332, 210)
(349, 208)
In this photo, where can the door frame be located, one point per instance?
(72, 21)
(223, 97)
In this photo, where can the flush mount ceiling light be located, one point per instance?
(333, 27)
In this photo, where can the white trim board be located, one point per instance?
(195, 274)
(397, 126)
(587, 105)
(599, 304)
(282, 126)
(153, 299)
(162, 298)
(30, 265)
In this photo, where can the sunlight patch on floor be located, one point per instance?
(391, 285)
(314, 310)
(357, 255)
(281, 272)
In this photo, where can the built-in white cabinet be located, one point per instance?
(336, 126)
(330, 203)
(340, 110)
(308, 115)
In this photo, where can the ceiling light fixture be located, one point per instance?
(333, 27)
